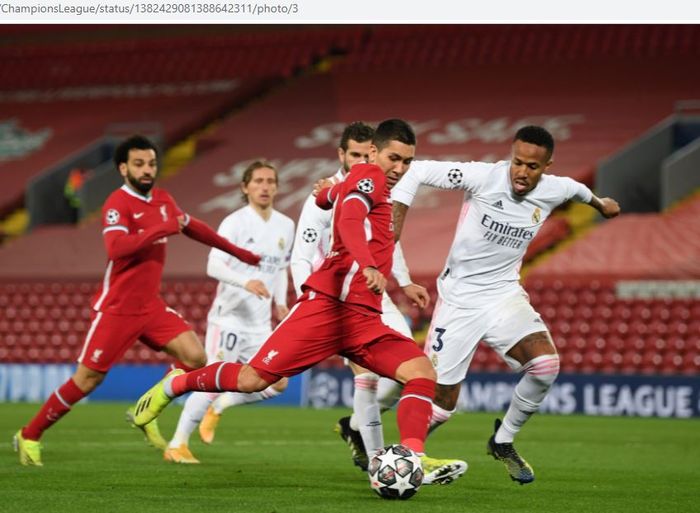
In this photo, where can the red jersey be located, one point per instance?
(363, 236)
(131, 282)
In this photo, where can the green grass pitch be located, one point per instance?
(282, 460)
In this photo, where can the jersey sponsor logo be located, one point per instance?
(138, 215)
(537, 215)
(506, 229)
(112, 217)
(366, 185)
(270, 355)
(498, 205)
(309, 235)
(455, 176)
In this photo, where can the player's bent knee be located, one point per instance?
(419, 367)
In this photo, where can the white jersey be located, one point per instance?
(272, 240)
(312, 242)
(496, 225)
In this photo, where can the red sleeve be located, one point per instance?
(326, 197)
(201, 232)
(369, 181)
(351, 227)
(120, 244)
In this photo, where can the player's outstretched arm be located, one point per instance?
(120, 244)
(201, 232)
(608, 207)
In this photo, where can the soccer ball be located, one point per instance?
(395, 472)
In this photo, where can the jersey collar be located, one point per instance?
(135, 194)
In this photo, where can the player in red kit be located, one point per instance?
(339, 310)
(137, 221)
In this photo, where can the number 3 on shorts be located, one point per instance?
(437, 346)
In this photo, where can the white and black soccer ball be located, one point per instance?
(395, 472)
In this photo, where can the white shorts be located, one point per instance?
(455, 333)
(229, 343)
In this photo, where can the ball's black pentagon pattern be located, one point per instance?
(455, 176)
(395, 472)
(366, 185)
(309, 235)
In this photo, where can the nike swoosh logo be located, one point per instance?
(138, 216)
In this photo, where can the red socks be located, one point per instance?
(217, 377)
(177, 364)
(414, 411)
(53, 409)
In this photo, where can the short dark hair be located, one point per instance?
(357, 131)
(248, 173)
(536, 135)
(135, 142)
(393, 130)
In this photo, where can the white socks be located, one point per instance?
(388, 393)
(195, 407)
(228, 399)
(366, 418)
(540, 373)
(438, 417)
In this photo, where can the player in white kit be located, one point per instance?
(372, 394)
(479, 294)
(239, 319)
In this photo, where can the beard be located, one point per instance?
(142, 187)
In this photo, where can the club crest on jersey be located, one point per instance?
(96, 355)
(309, 235)
(270, 355)
(164, 212)
(455, 176)
(537, 215)
(280, 243)
(366, 185)
(112, 216)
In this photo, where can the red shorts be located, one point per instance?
(111, 335)
(319, 326)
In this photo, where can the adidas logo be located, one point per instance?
(498, 205)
